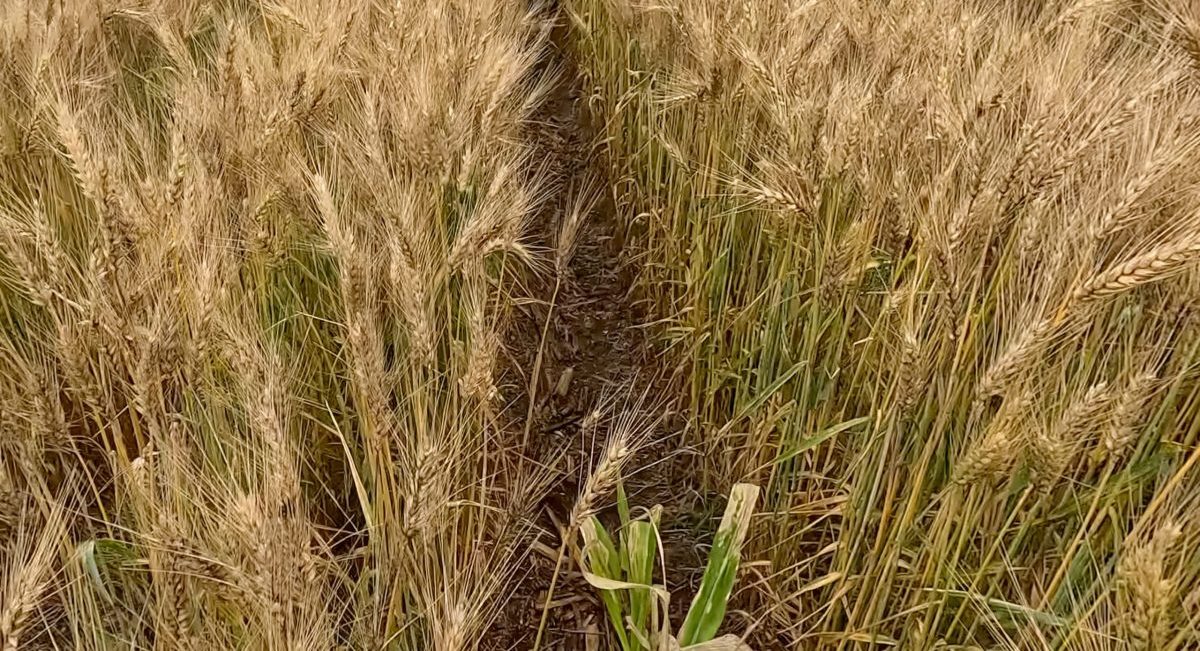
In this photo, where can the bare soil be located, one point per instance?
(595, 346)
(591, 347)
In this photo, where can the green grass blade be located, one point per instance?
(811, 442)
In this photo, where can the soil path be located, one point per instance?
(593, 348)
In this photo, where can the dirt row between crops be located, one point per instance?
(596, 349)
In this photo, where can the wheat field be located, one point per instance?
(600, 324)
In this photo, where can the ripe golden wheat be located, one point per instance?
(925, 271)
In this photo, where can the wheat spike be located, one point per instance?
(1015, 358)
(914, 371)
(408, 287)
(1146, 593)
(1085, 412)
(1074, 12)
(477, 381)
(1126, 415)
(1053, 449)
(12, 501)
(989, 458)
(992, 456)
(1157, 264)
(602, 479)
(772, 197)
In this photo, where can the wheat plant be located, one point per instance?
(928, 269)
(258, 260)
(923, 271)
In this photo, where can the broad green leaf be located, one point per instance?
(641, 549)
(708, 608)
(604, 583)
(602, 557)
(622, 503)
